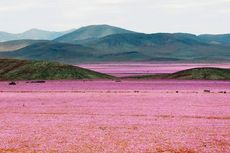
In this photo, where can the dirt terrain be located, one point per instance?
(108, 116)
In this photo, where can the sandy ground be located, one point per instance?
(119, 117)
(129, 69)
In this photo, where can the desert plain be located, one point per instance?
(101, 116)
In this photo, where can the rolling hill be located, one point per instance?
(90, 33)
(104, 43)
(11, 69)
(127, 47)
(54, 51)
(216, 39)
(17, 44)
(163, 46)
(192, 74)
(202, 74)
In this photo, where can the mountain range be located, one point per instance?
(91, 33)
(104, 43)
(35, 34)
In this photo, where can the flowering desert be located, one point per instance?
(114, 76)
(145, 116)
(130, 69)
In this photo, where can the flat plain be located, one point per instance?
(109, 116)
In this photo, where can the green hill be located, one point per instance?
(202, 74)
(104, 43)
(162, 46)
(216, 39)
(54, 51)
(91, 32)
(192, 74)
(70, 53)
(11, 69)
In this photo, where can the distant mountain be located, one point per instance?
(35, 34)
(161, 46)
(216, 39)
(91, 32)
(129, 47)
(54, 51)
(4, 36)
(104, 43)
(41, 34)
(11, 69)
(17, 44)
(191, 74)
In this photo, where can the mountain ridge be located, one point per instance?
(127, 47)
(91, 32)
(35, 34)
(95, 44)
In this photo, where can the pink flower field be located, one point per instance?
(115, 117)
(129, 69)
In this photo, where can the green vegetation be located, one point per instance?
(202, 74)
(11, 69)
(191, 74)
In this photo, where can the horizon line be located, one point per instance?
(74, 29)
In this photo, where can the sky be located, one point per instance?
(148, 16)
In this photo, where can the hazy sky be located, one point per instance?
(194, 16)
